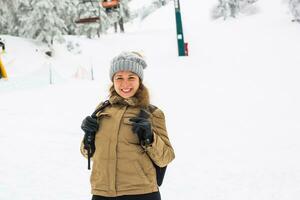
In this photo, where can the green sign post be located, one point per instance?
(180, 38)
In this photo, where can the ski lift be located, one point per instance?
(110, 3)
(89, 12)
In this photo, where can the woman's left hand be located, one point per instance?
(142, 127)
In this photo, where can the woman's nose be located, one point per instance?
(125, 82)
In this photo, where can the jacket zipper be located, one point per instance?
(117, 149)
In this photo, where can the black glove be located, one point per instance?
(142, 127)
(90, 126)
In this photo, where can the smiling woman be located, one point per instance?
(127, 137)
(126, 83)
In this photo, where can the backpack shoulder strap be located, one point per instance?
(160, 171)
(100, 108)
(152, 108)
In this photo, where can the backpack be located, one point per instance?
(160, 171)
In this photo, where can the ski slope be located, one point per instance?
(232, 107)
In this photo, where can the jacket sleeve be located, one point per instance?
(161, 150)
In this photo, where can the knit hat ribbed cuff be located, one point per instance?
(128, 61)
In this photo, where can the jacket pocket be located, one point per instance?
(102, 114)
(99, 179)
(131, 176)
(141, 172)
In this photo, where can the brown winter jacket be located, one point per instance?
(120, 165)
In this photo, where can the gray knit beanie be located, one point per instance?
(128, 61)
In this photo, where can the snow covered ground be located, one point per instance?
(232, 106)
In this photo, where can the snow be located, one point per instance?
(232, 106)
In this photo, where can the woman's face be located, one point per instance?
(126, 83)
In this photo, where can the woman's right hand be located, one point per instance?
(90, 126)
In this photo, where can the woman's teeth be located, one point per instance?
(126, 90)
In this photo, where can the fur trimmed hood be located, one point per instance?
(140, 99)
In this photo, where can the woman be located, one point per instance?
(128, 136)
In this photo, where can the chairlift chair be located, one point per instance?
(110, 3)
(88, 12)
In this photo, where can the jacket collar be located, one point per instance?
(116, 99)
(141, 99)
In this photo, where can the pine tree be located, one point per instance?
(69, 15)
(8, 17)
(49, 20)
(146, 10)
(230, 8)
(124, 10)
(3, 22)
(43, 21)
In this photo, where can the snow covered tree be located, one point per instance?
(8, 17)
(112, 16)
(49, 20)
(69, 15)
(91, 30)
(294, 6)
(124, 10)
(43, 21)
(3, 22)
(147, 9)
(230, 8)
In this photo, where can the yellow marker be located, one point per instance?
(2, 70)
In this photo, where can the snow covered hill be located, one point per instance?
(232, 107)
